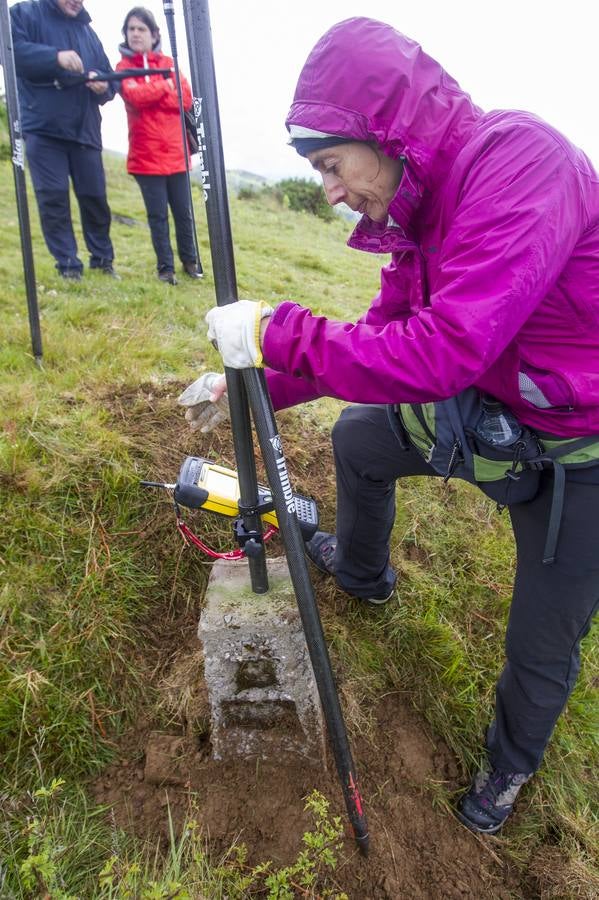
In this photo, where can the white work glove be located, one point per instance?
(203, 411)
(235, 329)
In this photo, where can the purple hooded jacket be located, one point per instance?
(494, 274)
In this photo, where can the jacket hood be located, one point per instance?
(127, 53)
(82, 17)
(365, 80)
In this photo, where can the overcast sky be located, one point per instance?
(540, 55)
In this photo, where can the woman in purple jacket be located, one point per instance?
(492, 223)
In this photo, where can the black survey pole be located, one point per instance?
(17, 145)
(197, 20)
(214, 186)
(169, 15)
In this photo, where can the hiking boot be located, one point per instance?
(320, 550)
(490, 800)
(109, 270)
(71, 274)
(168, 277)
(193, 270)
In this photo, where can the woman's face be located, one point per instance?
(139, 36)
(360, 175)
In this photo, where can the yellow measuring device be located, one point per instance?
(203, 484)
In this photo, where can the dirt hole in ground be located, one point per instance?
(163, 761)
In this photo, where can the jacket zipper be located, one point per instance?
(569, 407)
(454, 459)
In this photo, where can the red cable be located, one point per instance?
(190, 538)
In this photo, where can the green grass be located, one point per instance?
(84, 557)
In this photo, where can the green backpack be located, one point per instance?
(444, 433)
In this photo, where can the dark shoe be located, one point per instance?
(108, 270)
(193, 270)
(71, 274)
(320, 549)
(168, 277)
(490, 800)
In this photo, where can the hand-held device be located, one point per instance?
(205, 485)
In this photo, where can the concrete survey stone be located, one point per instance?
(263, 696)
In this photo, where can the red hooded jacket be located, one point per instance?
(155, 139)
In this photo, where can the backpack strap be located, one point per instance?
(568, 446)
(555, 516)
(549, 459)
(418, 412)
(396, 424)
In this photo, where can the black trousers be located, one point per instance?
(552, 606)
(51, 163)
(159, 192)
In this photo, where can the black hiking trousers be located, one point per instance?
(52, 162)
(552, 606)
(159, 192)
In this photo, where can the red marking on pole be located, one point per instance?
(355, 795)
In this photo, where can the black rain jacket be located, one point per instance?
(39, 30)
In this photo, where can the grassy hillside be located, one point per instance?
(86, 559)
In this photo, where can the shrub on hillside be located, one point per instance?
(249, 193)
(302, 194)
(298, 194)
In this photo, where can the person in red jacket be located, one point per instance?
(156, 156)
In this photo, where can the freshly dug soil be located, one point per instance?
(417, 851)
(164, 764)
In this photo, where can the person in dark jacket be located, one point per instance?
(157, 158)
(52, 41)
